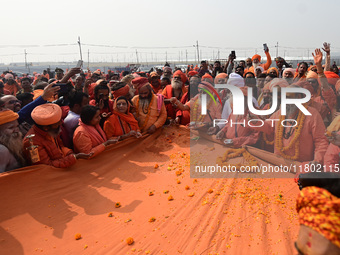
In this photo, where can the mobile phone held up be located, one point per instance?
(265, 47)
(80, 64)
(233, 54)
(63, 87)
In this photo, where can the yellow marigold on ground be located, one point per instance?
(77, 236)
(187, 187)
(156, 166)
(110, 214)
(191, 194)
(178, 182)
(152, 219)
(210, 191)
(130, 241)
(166, 191)
(178, 173)
(170, 198)
(151, 193)
(117, 205)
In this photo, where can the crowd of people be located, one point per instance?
(57, 118)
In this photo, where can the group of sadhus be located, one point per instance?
(56, 121)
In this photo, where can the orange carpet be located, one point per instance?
(43, 208)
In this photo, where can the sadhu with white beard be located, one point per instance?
(175, 90)
(150, 109)
(10, 141)
(305, 141)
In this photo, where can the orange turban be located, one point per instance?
(192, 73)
(277, 82)
(320, 210)
(312, 75)
(46, 114)
(140, 82)
(183, 77)
(7, 116)
(221, 76)
(256, 56)
(275, 69)
(208, 77)
(305, 85)
(332, 77)
(121, 91)
(154, 74)
(206, 85)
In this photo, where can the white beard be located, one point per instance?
(176, 85)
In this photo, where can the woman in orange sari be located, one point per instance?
(89, 136)
(121, 123)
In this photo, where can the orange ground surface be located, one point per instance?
(43, 208)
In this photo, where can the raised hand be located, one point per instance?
(327, 48)
(317, 56)
(50, 91)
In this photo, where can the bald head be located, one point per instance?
(11, 102)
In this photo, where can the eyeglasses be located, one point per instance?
(14, 102)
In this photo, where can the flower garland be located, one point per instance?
(233, 153)
(201, 117)
(147, 115)
(266, 140)
(294, 142)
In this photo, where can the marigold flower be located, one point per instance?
(152, 219)
(170, 198)
(156, 166)
(178, 182)
(77, 236)
(86, 246)
(187, 187)
(166, 191)
(110, 214)
(151, 193)
(130, 241)
(191, 194)
(117, 205)
(210, 191)
(178, 173)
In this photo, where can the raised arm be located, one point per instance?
(317, 60)
(327, 49)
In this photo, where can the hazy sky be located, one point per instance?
(153, 27)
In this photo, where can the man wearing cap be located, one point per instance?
(59, 73)
(257, 62)
(10, 141)
(51, 151)
(11, 85)
(150, 109)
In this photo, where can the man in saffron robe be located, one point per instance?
(150, 109)
(303, 140)
(51, 151)
(240, 134)
(177, 90)
(256, 59)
